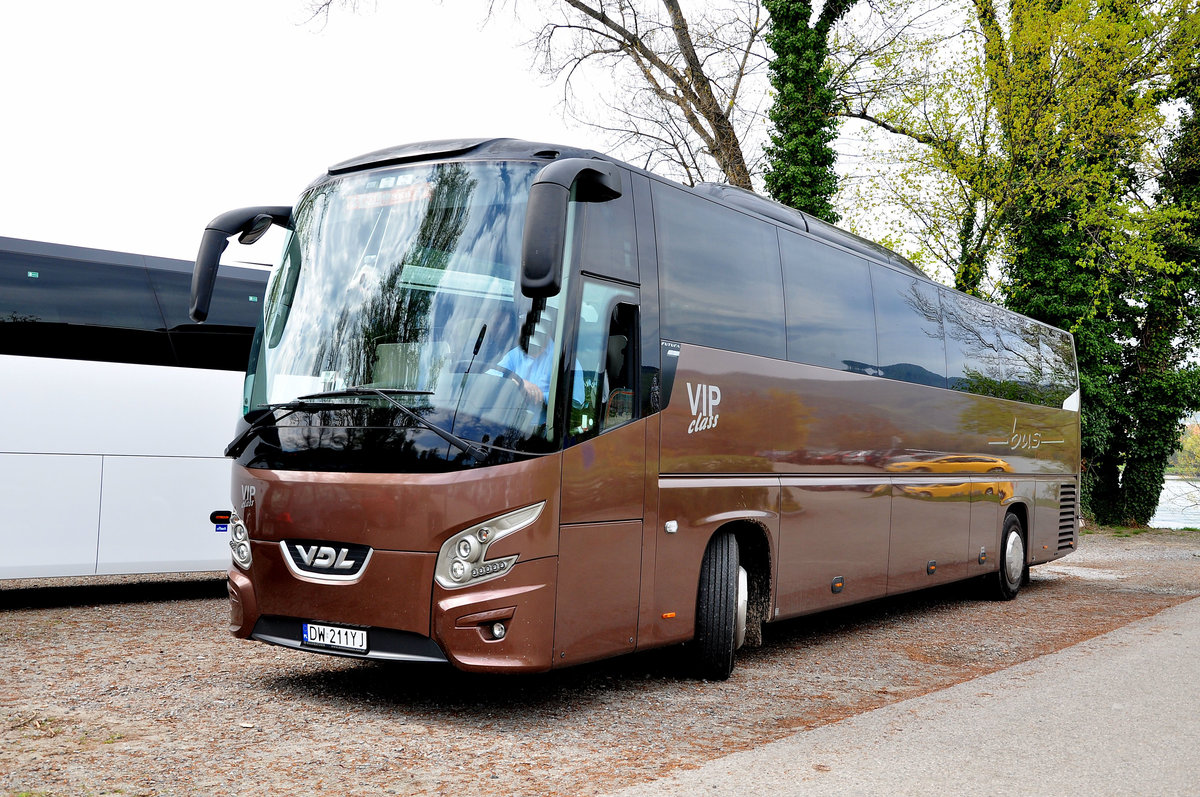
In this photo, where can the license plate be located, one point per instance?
(331, 636)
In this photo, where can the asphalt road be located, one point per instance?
(1118, 714)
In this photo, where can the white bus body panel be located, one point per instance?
(96, 456)
(51, 509)
(155, 514)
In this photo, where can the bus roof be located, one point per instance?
(732, 196)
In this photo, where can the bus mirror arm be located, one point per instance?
(544, 239)
(249, 224)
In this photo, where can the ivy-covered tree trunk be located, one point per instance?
(1163, 385)
(800, 157)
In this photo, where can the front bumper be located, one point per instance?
(387, 644)
(406, 615)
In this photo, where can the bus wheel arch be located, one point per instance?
(754, 554)
(732, 598)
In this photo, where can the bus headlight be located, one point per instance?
(462, 560)
(239, 542)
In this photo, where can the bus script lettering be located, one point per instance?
(1024, 439)
(703, 400)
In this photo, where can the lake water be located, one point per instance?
(1179, 505)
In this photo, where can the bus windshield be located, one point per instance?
(406, 281)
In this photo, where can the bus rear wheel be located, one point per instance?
(721, 606)
(1006, 582)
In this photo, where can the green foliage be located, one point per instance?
(1186, 461)
(800, 156)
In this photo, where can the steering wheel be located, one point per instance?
(508, 373)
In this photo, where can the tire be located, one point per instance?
(717, 608)
(1006, 582)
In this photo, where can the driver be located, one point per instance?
(534, 366)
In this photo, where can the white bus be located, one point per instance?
(115, 410)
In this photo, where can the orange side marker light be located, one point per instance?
(668, 615)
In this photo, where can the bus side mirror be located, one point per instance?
(251, 223)
(545, 236)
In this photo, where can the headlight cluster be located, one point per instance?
(463, 561)
(239, 542)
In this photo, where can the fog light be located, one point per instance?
(457, 570)
(465, 548)
(498, 630)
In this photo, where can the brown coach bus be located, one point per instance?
(517, 406)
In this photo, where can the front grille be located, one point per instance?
(1068, 503)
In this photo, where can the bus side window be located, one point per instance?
(908, 325)
(830, 315)
(608, 239)
(618, 396)
(606, 357)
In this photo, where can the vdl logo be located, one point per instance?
(324, 557)
(704, 400)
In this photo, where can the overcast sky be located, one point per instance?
(129, 124)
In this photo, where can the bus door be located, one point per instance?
(603, 482)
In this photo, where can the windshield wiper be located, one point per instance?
(470, 449)
(239, 443)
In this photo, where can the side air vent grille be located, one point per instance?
(1068, 504)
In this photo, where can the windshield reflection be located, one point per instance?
(406, 280)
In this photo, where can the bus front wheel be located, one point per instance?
(1006, 582)
(721, 606)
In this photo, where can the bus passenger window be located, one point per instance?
(1058, 369)
(721, 281)
(830, 316)
(908, 321)
(974, 351)
(607, 354)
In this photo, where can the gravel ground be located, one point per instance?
(131, 686)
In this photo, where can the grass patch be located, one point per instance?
(1128, 531)
(1094, 528)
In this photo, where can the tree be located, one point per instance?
(800, 156)
(932, 187)
(1105, 241)
(1040, 123)
(679, 94)
(1164, 386)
